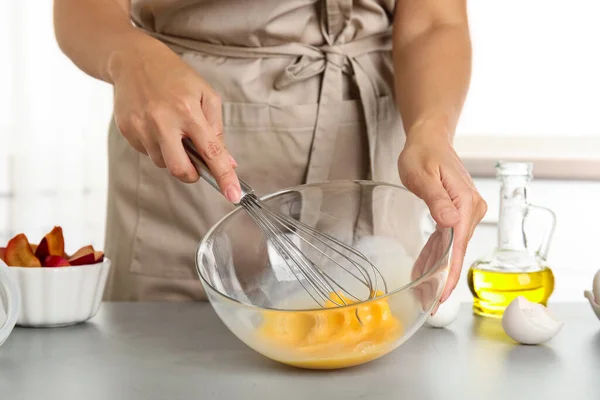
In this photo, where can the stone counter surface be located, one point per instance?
(156, 351)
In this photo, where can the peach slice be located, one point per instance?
(55, 261)
(98, 256)
(2, 251)
(53, 244)
(83, 256)
(18, 253)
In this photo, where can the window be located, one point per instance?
(535, 89)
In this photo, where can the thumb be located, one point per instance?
(433, 193)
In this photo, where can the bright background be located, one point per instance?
(536, 66)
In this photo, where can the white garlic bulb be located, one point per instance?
(527, 322)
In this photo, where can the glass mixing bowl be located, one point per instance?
(258, 298)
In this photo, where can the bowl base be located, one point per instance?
(330, 364)
(56, 325)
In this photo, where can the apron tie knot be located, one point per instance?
(335, 56)
(307, 66)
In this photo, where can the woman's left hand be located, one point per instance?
(430, 168)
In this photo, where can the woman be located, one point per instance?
(305, 91)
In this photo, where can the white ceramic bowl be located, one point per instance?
(10, 303)
(60, 296)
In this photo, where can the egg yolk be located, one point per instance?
(327, 339)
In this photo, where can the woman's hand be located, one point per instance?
(430, 168)
(159, 100)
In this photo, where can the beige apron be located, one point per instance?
(307, 91)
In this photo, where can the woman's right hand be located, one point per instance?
(158, 101)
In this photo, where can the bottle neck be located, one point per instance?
(513, 209)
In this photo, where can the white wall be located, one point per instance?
(535, 68)
(53, 125)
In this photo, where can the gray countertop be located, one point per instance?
(182, 351)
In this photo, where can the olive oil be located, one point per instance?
(516, 267)
(493, 291)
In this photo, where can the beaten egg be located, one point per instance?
(332, 338)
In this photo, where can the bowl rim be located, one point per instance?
(105, 261)
(239, 208)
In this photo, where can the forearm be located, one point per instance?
(97, 34)
(432, 75)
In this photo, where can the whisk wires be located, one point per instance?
(319, 284)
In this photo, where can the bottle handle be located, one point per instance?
(12, 300)
(544, 247)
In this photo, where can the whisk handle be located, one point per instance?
(204, 171)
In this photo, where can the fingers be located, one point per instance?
(430, 189)
(424, 256)
(426, 291)
(432, 251)
(164, 144)
(158, 131)
(461, 239)
(212, 109)
(140, 134)
(472, 208)
(155, 153)
(177, 160)
(152, 146)
(215, 155)
(138, 146)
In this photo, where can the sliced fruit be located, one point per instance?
(18, 253)
(83, 256)
(49, 253)
(99, 256)
(83, 260)
(55, 261)
(82, 252)
(53, 244)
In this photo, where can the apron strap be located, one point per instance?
(334, 18)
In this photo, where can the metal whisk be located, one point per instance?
(280, 230)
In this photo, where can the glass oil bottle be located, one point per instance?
(514, 268)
